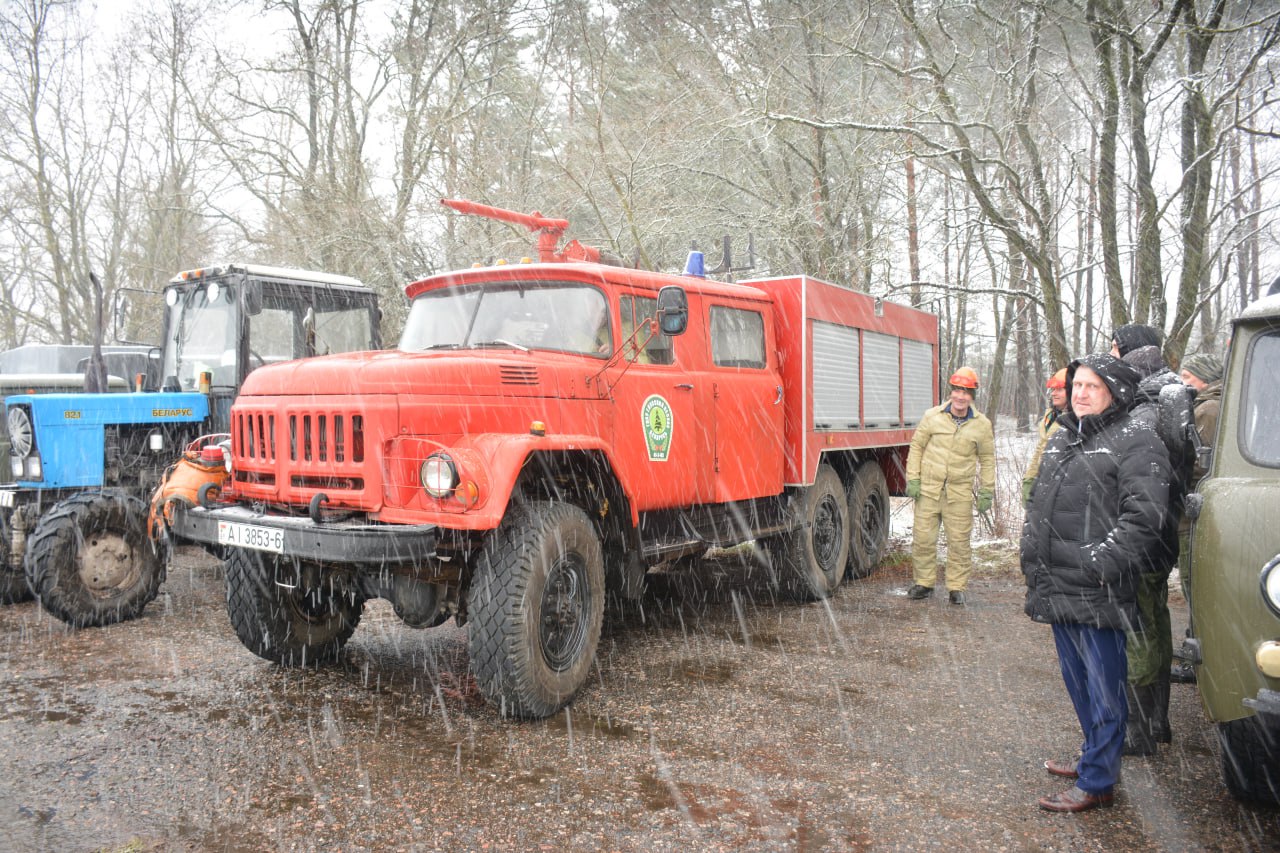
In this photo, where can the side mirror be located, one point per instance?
(124, 301)
(673, 310)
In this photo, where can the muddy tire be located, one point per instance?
(279, 619)
(13, 582)
(535, 608)
(1250, 760)
(810, 559)
(90, 561)
(869, 515)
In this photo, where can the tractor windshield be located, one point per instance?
(547, 315)
(201, 335)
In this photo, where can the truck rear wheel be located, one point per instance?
(13, 582)
(281, 620)
(811, 558)
(1250, 760)
(535, 607)
(91, 562)
(869, 519)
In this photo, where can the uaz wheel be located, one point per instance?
(90, 561)
(535, 608)
(286, 614)
(1250, 759)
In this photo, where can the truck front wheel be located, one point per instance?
(810, 559)
(535, 607)
(285, 617)
(869, 519)
(91, 562)
(1250, 759)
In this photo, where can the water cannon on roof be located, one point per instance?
(549, 231)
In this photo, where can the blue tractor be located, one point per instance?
(74, 526)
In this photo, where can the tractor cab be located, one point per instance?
(222, 323)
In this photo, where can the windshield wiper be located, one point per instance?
(499, 342)
(440, 346)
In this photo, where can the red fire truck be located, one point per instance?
(545, 434)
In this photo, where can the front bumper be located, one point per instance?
(341, 542)
(1267, 702)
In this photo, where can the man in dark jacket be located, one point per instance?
(1149, 645)
(1097, 508)
(1203, 372)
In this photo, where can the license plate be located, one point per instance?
(251, 536)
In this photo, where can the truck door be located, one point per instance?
(747, 396)
(663, 434)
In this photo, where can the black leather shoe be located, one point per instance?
(1075, 800)
(957, 596)
(918, 592)
(1065, 769)
(1182, 673)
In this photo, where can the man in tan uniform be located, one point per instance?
(953, 443)
(1057, 388)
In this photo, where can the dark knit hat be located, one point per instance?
(1203, 366)
(1132, 336)
(1146, 360)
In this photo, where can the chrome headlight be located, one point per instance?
(1271, 584)
(439, 475)
(21, 433)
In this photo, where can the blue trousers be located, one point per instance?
(1095, 669)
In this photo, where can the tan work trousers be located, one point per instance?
(954, 512)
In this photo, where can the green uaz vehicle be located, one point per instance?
(1235, 562)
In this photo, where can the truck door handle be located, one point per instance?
(685, 386)
(778, 400)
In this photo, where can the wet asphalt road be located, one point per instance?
(718, 719)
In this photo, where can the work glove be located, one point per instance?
(985, 499)
(1027, 483)
(913, 489)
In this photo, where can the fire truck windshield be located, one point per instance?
(546, 315)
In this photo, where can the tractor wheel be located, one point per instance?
(868, 519)
(282, 617)
(535, 608)
(90, 561)
(13, 582)
(1250, 760)
(810, 559)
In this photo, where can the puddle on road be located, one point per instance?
(694, 671)
(582, 723)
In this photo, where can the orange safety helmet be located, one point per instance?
(965, 377)
(1057, 380)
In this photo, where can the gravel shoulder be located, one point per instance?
(718, 719)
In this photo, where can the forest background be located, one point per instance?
(1036, 173)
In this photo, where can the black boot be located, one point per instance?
(1160, 727)
(1139, 734)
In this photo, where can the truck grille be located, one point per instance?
(312, 437)
(326, 437)
(306, 449)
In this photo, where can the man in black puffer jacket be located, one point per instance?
(1097, 509)
(1149, 647)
